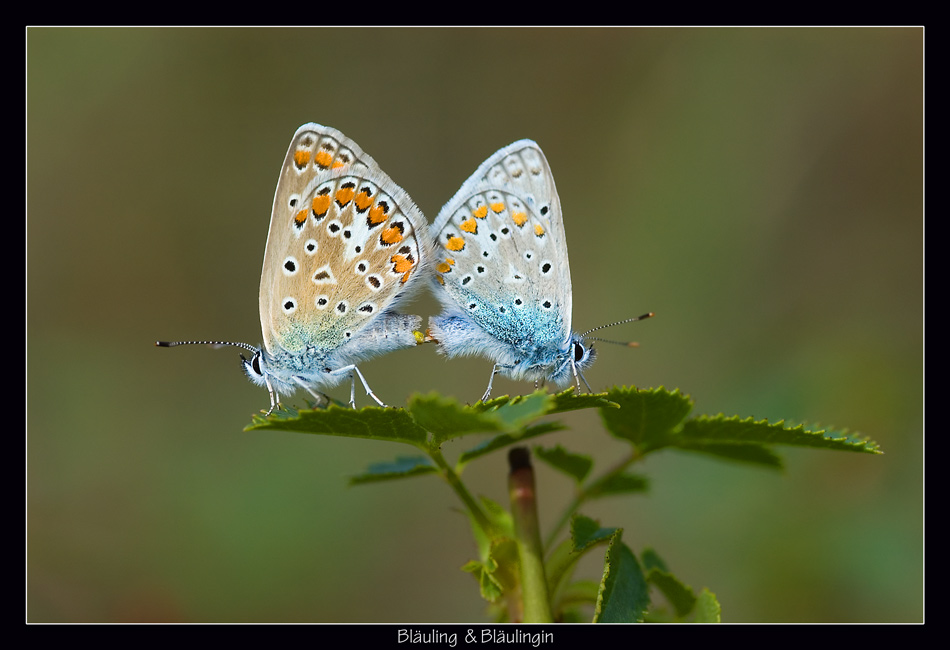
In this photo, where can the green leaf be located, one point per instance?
(707, 608)
(720, 429)
(371, 422)
(521, 410)
(402, 467)
(446, 418)
(645, 418)
(624, 594)
(571, 400)
(614, 484)
(652, 560)
(743, 452)
(506, 439)
(587, 532)
(497, 574)
(574, 465)
(488, 585)
(680, 596)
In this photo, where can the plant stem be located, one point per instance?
(456, 483)
(524, 511)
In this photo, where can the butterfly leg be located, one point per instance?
(322, 400)
(274, 397)
(494, 371)
(354, 373)
(577, 384)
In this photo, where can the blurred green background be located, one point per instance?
(759, 189)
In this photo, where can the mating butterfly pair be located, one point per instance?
(347, 246)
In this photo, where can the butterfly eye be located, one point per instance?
(256, 364)
(578, 352)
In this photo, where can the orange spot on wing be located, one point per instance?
(497, 207)
(443, 267)
(538, 230)
(344, 195)
(391, 236)
(300, 218)
(455, 244)
(403, 264)
(301, 158)
(324, 158)
(377, 213)
(520, 218)
(363, 200)
(470, 226)
(481, 212)
(320, 204)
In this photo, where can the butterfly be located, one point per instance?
(346, 246)
(501, 273)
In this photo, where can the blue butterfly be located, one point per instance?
(501, 273)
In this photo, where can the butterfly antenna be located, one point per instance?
(214, 344)
(629, 344)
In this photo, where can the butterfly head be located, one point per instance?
(584, 354)
(254, 367)
(576, 357)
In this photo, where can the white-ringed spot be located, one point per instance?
(374, 282)
(288, 305)
(290, 266)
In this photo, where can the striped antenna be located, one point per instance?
(213, 344)
(629, 344)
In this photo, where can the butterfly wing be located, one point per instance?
(501, 265)
(345, 246)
